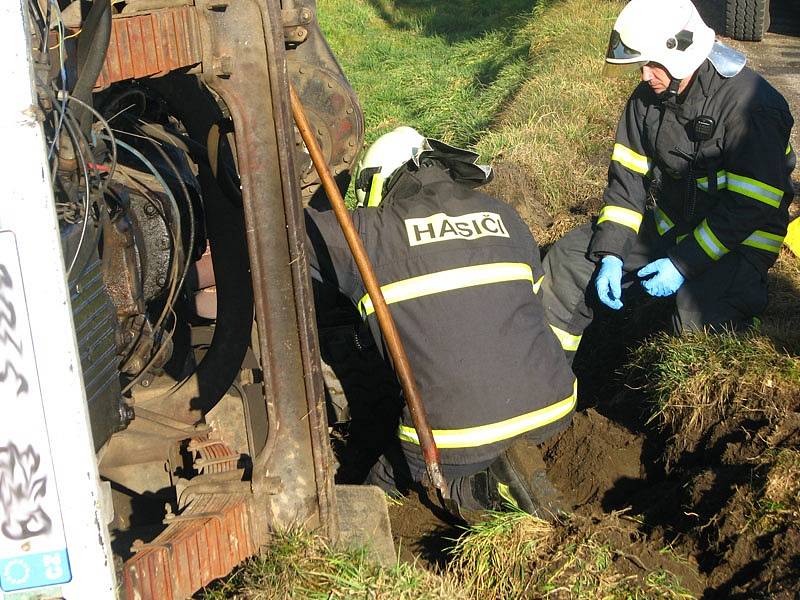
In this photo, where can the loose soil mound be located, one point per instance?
(713, 466)
(592, 456)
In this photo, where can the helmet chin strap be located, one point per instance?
(672, 90)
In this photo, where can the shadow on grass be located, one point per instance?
(455, 21)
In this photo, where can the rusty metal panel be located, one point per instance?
(204, 543)
(151, 45)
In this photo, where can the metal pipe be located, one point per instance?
(430, 451)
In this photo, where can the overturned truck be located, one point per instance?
(163, 405)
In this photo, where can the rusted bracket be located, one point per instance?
(295, 22)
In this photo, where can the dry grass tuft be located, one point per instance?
(783, 480)
(701, 379)
(782, 488)
(298, 565)
(563, 223)
(514, 555)
(781, 320)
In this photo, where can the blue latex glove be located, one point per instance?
(609, 282)
(666, 278)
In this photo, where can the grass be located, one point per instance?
(518, 81)
(298, 565)
(777, 502)
(445, 68)
(699, 379)
(513, 555)
(510, 555)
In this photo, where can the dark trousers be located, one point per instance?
(399, 471)
(401, 466)
(726, 296)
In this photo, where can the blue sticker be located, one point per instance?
(34, 570)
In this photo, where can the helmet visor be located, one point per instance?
(621, 69)
(618, 52)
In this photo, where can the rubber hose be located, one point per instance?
(92, 47)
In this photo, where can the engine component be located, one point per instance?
(151, 45)
(334, 111)
(95, 327)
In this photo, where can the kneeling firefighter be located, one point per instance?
(708, 139)
(461, 272)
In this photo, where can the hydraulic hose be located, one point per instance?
(92, 47)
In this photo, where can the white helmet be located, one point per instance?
(386, 154)
(668, 32)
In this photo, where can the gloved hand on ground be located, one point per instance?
(609, 282)
(666, 278)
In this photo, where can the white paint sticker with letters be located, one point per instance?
(441, 227)
(33, 549)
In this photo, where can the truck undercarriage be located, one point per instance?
(178, 181)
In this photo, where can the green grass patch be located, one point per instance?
(518, 81)
(445, 68)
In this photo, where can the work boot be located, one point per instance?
(518, 478)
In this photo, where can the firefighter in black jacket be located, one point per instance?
(710, 139)
(460, 272)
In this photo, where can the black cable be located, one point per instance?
(189, 208)
(72, 132)
(42, 24)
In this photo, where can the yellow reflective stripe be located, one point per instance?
(755, 189)
(568, 341)
(537, 284)
(722, 181)
(630, 159)
(375, 190)
(709, 242)
(446, 281)
(623, 216)
(764, 241)
(471, 437)
(663, 222)
(788, 148)
(505, 494)
(680, 238)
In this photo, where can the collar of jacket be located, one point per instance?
(706, 82)
(409, 179)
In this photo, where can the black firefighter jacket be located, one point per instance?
(728, 194)
(460, 271)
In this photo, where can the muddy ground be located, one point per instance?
(697, 499)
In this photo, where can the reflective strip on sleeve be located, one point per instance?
(663, 222)
(680, 238)
(623, 216)
(452, 279)
(568, 341)
(764, 241)
(709, 242)
(755, 189)
(537, 284)
(788, 149)
(375, 191)
(630, 159)
(483, 435)
(722, 181)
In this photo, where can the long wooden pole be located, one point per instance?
(391, 336)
